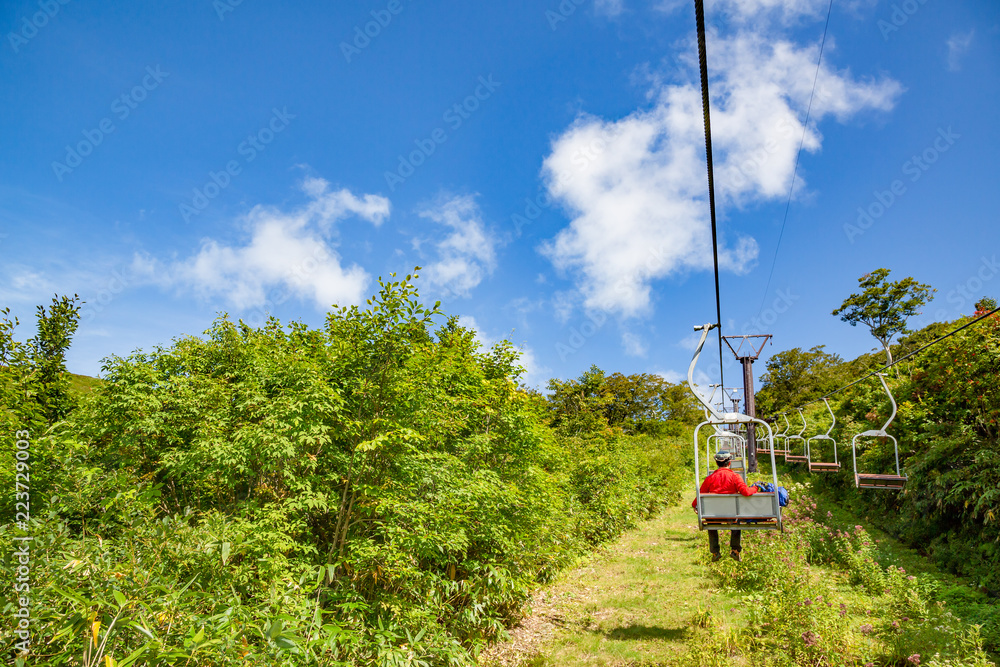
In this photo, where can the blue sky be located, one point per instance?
(543, 162)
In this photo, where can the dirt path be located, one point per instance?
(631, 604)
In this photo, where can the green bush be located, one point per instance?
(800, 616)
(379, 491)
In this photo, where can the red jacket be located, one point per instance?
(724, 480)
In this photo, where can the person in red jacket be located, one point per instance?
(724, 480)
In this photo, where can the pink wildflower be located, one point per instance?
(915, 659)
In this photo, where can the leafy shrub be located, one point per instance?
(379, 492)
(798, 616)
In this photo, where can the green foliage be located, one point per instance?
(948, 432)
(884, 306)
(379, 491)
(34, 385)
(985, 305)
(639, 403)
(795, 377)
(862, 611)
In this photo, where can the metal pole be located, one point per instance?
(750, 405)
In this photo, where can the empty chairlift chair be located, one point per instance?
(823, 466)
(725, 511)
(871, 481)
(781, 439)
(763, 445)
(792, 440)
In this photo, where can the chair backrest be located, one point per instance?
(736, 506)
(824, 436)
(878, 433)
(803, 418)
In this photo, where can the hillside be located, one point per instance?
(828, 591)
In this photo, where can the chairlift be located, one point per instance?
(821, 466)
(764, 445)
(730, 511)
(783, 436)
(796, 458)
(871, 481)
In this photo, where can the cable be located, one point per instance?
(795, 169)
(699, 13)
(906, 356)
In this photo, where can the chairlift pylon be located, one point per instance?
(821, 466)
(871, 481)
(730, 511)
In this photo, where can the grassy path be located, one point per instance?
(632, 603)
(651, 598)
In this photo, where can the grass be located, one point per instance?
(652, 598)
(636, 602)
(83, 384)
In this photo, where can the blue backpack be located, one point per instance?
(767, 487)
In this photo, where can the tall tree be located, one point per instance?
(884, 306)
(34, 387)
(56, 326)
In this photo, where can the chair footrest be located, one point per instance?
(879, 481)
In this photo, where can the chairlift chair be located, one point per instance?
(782, 447)
(730, 511)
(764, 445)
(871, 481)
(822, 466)
(796, 458)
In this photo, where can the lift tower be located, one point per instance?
(747, 357)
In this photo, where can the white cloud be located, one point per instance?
(636, 187)
(759, 11)
(467, 254)
(634, 345)
(756, 10)
(701, 378)
(563, 304)
(22, 285)
(673, 377)
(609, 7)
(958, 45)
(535, 374)
(690, 342)
(287, 253)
